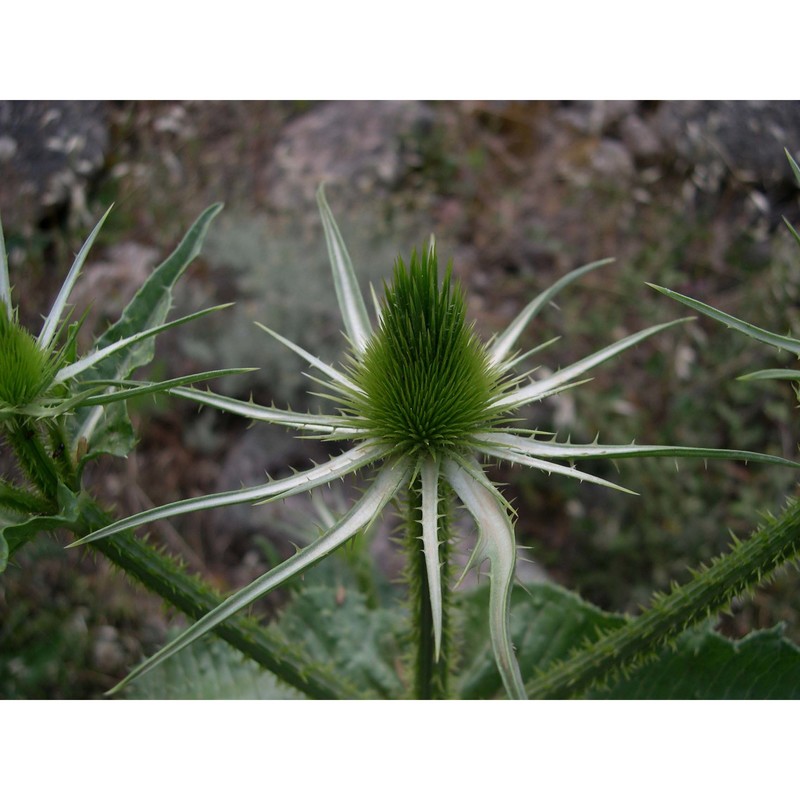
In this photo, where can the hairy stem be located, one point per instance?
(35, 462)
(168, 578)
(431, 677)
(21, 501)
(712, 588)
(62, 457)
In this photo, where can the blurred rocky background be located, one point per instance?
(689, 195)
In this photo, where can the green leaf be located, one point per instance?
(495, 543)
(767, 337)
(536, 390)
(210, 670)
(706, 666)
(109, 430)
(546, 623)
(334, 625)
(15, 533)
(769, 374)
(510, 446)
(129, 389)
(53, 319)
(359, 456)
(792, 229)
(4, 552)
(794, 166)
(549, 623)
(99, 355)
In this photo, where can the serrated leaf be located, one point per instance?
(210, 670)
(548, 623)
(109, 430)
(130, 389)
(500, 443)
(335, 626)
(707, 666)
(97, 356)
(350, 461)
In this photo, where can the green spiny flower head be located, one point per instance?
(26, 370)
(425, 378)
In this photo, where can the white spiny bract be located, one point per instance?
(422, 400)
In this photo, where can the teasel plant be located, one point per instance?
(423, 405)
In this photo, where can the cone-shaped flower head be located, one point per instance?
(26, 370)
(425, 379)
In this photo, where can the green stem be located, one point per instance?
(21, 501)
(431, 676)
(168, 578)
(712, 588)
(25, 440)
(62, 455)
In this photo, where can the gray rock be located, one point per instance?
(611, 159)
(744, 138)
(49, 151)
(596, 117)
(362, 147)
(640, 138)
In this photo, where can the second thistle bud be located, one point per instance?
(26, 370)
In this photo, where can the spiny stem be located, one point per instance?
(25, 440)
(431, 677)
(168, 579)
(62, 456)
(711, 590)
(21, 501)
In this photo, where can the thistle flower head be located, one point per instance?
(425, 380)
(422, 400)
(26, 370)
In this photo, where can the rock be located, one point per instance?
(744, 138)
(49, 152)
(362, 147)
(595, 117)
(611, 159)
(640, 138)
